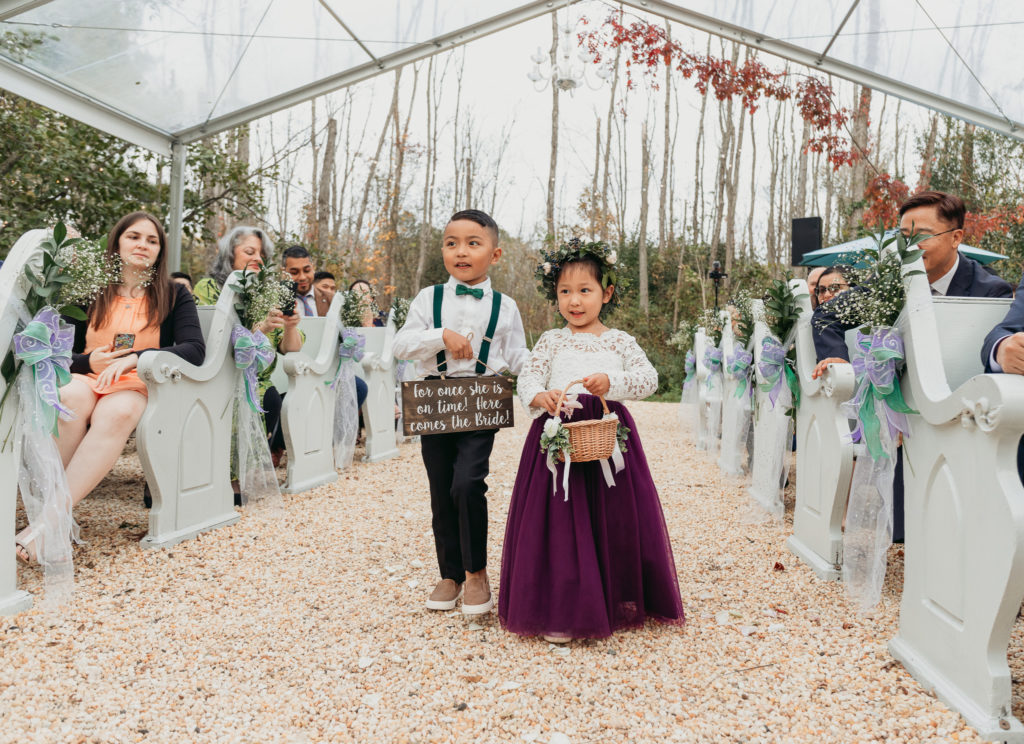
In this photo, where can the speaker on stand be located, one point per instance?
(806, 238)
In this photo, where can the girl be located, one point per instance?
(105, 391)
(600, 559)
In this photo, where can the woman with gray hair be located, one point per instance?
(249, 248)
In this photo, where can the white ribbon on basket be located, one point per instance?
(571, 402)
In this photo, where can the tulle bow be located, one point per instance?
(45, 345)
(253, 354)
(351, 349)
(713, 361)
(690, 368)
(875, 357)
(739, 369)
(776, 370)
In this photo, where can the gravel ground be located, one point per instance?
(308, 625)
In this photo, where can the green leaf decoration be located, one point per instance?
(73, 311)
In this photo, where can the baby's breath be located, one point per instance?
(258, 293)
(90, 269)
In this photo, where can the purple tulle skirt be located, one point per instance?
(596, 563)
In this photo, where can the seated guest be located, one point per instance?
(324, 289)
(299, 266)
(833, 282)
(180, 277)
(249, 248)
(371, 315)
(148, 312)
(940, 217)
(812, 283)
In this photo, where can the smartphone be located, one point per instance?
(289, 307)
(123, 341)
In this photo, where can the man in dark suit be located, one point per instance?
(941, 217)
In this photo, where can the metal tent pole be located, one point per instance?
(179, 152)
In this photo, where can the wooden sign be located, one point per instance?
(456, 404)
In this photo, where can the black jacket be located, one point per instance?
(180, 333)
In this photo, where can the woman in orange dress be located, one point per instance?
(147, 311)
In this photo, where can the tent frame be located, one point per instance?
(43, 90)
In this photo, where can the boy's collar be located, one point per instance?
(485, 285)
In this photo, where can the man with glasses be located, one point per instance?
(939, 216)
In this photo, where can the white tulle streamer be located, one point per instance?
(773, 441)
(257, 478)
(868, 532)
(713, 414)
(735, 428)
(45, 494)
(346, 416)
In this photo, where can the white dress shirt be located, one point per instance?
(310, 298)
(941, 285)
(419, 341)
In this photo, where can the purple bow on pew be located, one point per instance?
(253, 354)
(45, 345)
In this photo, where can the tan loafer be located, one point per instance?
(477, 599)
(445, 595)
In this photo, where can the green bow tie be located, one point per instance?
(462, 289)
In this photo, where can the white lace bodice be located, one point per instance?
(561, 356)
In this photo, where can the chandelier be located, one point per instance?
(567, 73)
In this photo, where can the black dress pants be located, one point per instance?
(457, 466)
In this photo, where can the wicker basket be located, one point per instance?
(590, 440)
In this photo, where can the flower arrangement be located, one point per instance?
(743, 316)
(881, 295)
(259, 292)
(682, 339)
(552, 261)
(781, 310)
(711, 321)
(355, 306)
(66, 274)
(555, 438)
(400, 311)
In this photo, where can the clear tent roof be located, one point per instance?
(160, 72)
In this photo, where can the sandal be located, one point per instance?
(23, 542)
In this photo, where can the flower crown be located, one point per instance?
(552, 262)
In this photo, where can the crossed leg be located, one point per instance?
(89, 444)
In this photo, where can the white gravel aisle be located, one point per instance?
(308, 625)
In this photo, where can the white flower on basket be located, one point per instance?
(547, 267)
(613, 257)
(551, 427)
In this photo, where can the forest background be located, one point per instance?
(699, 150)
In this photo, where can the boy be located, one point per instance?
(436, 335)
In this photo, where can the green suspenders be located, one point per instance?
(485, 345)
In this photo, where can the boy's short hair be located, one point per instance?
(295, 251)
(322, 275)
(479, 217)
(181, 275)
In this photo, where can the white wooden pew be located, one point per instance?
(964, 504)
(184, 436)
(700, 344)
(13, 287)
(379, 407)
(307, 416)
(824, 454)
(771, 428)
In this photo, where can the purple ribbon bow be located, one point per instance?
(739, 366)
(771, 367)
(45, 345)
(253, 354)
(875, 357)
(713, 361)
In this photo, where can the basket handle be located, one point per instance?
(561, 400)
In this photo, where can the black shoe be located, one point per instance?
(147, 497)
(238, 498)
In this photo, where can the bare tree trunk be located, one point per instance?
(605, 214)
(732, 186)
(645, 179)
(751, 249)
(593, 185)
(929, 155)
(323, 207)
(679, 277)
(698, 168)
(968, 190)
(861, 141)
(354, 238)
(394, 210)
(313, 180)
(667, 154)
(896, 170)
(773, 152)
(552, 173)
(430, 161)
(721, 181)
